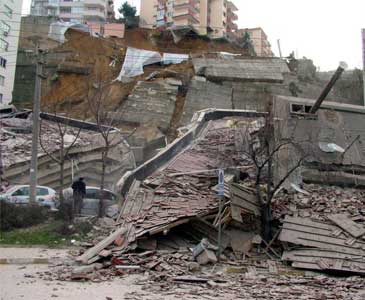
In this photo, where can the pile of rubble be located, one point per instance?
(317, 201)
(168, 226)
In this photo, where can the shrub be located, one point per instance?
(14, 216)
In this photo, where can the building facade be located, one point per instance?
(78, 11)
(259, 40)
(213, 17)
(10, 17)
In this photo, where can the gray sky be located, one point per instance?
(327, 31)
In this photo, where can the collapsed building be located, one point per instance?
(171, 202)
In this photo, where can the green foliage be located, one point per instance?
(129, 14)
(44, 234)
(52, 234)
(15, 216)
(248, 45)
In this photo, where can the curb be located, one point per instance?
(24, 261)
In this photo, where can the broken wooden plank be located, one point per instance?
(315, 253)
(315, 266)
(90, 253)
(318, 241)
(194, 279)
(245, 199)
(342, 221)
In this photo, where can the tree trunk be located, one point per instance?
(266, 217)
(102, 184)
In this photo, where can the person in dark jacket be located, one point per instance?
(79, 191)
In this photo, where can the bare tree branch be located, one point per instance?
(43, 147)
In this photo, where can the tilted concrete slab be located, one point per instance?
(151, 102)
(256, 70)
(203, 94)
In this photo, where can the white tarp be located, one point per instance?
(173, 58)
(57, 30)
(135, 60)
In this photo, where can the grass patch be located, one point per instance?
(51, 234)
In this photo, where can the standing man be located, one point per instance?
(79, 191)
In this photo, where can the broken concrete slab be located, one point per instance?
(254, 70)
(151, 102)
(206, 257)
(204, 94)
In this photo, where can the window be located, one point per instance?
(91, 194)
(42, 192)
(2, 80)
(4, 28)
(24, 191)
(4, 45)
(77, 10)
(300, 108)
(8, 11)
(65, 10)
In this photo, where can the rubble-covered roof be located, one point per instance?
(182, 188)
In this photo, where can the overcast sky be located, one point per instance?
(327, 31)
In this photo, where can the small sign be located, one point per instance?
(221, 182)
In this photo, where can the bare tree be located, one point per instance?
(61, 154)
(263, 149)
(105, 119)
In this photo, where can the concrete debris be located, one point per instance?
(257, 70)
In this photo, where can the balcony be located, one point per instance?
(94, 3)
(186, 15)
(187, 4)
(232, 16)
(52, 4)
(94, 14)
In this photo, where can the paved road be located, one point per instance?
(21, 282)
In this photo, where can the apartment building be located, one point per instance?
(213, 17)
(259, 39)
(10, 17)
(78, 11)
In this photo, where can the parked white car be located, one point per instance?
(91, 201)
(20, 194)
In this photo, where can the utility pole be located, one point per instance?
(279, 46)
(363, 59)
(36, 108)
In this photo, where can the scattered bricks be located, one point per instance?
(119, 241)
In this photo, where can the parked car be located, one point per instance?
(20, 194)
(91, 201)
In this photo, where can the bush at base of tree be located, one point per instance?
(21, 216)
